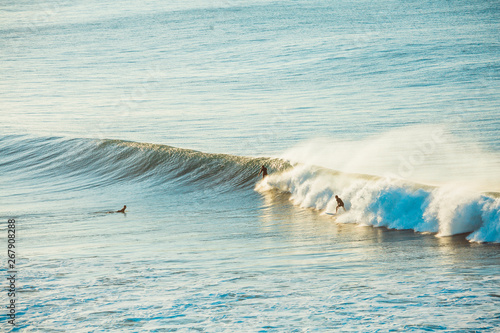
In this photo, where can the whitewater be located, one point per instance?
(382, 202)
(400, 191)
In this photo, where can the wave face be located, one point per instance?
(104, 162)
(392, 203)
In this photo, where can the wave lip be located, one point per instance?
(396, 204)
(106, 162)
(161, 163)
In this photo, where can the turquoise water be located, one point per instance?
(393, 106)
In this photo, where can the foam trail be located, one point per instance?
(391, 203)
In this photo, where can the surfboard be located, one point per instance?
(336, 214)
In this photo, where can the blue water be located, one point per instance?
(172, 108)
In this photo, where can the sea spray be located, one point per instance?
(428, 154)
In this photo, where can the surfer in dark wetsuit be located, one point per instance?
(340, 203)
(122, 210)
(263, 170)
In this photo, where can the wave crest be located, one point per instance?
(104, 162)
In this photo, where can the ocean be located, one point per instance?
(172, 108)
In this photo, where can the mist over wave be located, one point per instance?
(430, 154)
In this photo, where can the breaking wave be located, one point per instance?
(392, 203)
(71, 164)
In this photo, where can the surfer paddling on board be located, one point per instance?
(122, 210)
(340, 203)
(263, 170)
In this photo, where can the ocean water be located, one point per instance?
(171, 108)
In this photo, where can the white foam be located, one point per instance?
(395, 204)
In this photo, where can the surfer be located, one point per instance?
(340, 203)
(122, 210)
(263, 170)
